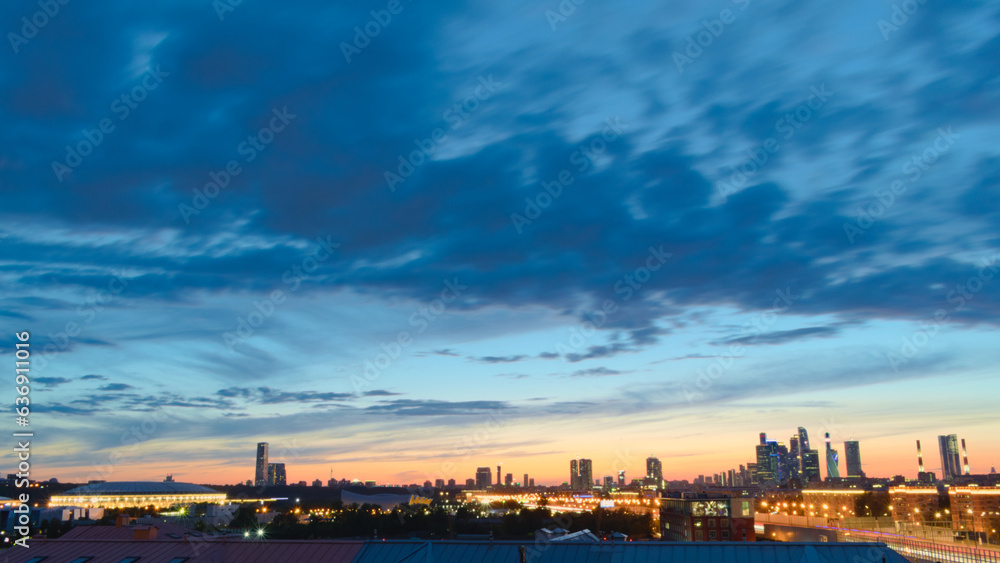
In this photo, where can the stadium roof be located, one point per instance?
(139, 488)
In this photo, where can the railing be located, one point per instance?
(921, 544)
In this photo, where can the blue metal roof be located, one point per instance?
(628, 552)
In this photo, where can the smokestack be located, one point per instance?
(920, 457)
(965, 459)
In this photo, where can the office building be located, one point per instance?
(832, 460)
(810, 466)
(276, 474)
(574, 475)
(508, 479)
(484, 477)
(525, 482)
(621, 478)
(586, 474)
(654, 472)
(852, 456)
(260, 475)
(950, 461)
(703, 517)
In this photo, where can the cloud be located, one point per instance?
(499, 359)
(51, 382)
(93, 376)
(268, 396)
(782, 336)
(595, 372)
(410, 407)
(115, 387)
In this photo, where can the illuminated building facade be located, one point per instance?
(693, 517)
(260, 473)
(852, 456)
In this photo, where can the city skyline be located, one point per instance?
(408, 244)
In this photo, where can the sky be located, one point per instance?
(399, 240)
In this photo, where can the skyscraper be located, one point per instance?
(764, 474)
(852, 455)
(484, 477)
(950, 460)
(586, 474)
(574, 475)
(810, 466)
(260, 475)
(654, 472)
(525, 482)
(508, 479)
(621, 478)
(832, 460)
(276, 474)
(803, 439)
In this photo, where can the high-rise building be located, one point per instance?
(439, 483)
(832, 460)
(276, 474)
(794, 462)
(803, 439)
(525, 482)
(621, 477)
(470, 483)
(784, 463)
(260, 475)
(609, 483)
(732, 478)
(451, 482)
(810, 466)
(852, 456)
(574, 475)
(586, 474)
(654, 472)
(484, 477)
(950, 460)
(498, 475)
(508, 479)
(768, 467)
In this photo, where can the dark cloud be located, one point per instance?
(51, 382)
(116, 387)
(595, 372)
(268, 396)
(782, 336)
(499, 359)
(93, 376)
(409, 407)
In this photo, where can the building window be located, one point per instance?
(711, 534)
(711, 522)
(698, 535)
(129, 560)
(725, 534)
(37, 559)
(82, 559)
(724, 522)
